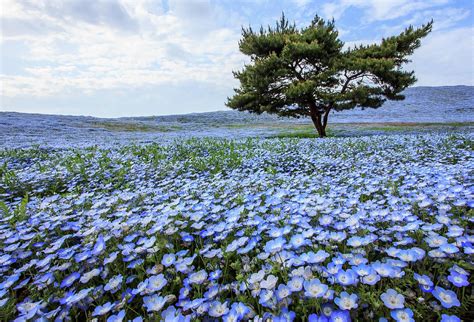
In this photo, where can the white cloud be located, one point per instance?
(159, 47)
(376, 10)
(445, 58)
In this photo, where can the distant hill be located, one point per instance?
(451, 107)
(421, 104)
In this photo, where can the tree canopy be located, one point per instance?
(308, 72)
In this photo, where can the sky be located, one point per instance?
(112, 58)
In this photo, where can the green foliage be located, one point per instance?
(306, 72)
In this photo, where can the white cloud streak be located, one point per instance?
(93, 53)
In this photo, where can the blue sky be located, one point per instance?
(153, 57)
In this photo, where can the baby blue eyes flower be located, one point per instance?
(447, 298)
(348, 277)
(117, 317)
(69, 280)
(218, 309)
(241, 309)
(99, 246)
(346, 301)
(340, 316)
(458, 280)
(269, 283)
(154, 303)
(423, 279)
(275, 245)
(156, 283)
(86, 277)
(402, 315)
(449, 318)
(449, 248)
(29, 309)
(168, 260)
(314, 288)
(114, 284)
(296, 284)
(283, 292)
(198, 277)
(318, 257)
(215, 275)
(370, 279)
(103, 309)
(392, 299)
(173, 315)
(298, 240)
(232, 316)
(317, 318)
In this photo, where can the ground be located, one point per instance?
(205, 228)
(227, 215)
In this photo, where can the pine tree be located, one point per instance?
(307, 72)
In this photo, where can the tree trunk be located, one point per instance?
(325, 119)
(320, 120)
(317, 121)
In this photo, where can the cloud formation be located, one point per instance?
(56, 53)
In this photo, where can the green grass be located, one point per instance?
(134, 127)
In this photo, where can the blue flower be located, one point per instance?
(346, 301)
(241, 309)
(298, 240)
(318, 257)
(447, 298)
(283, 292)
(218, 309)
(103, 309)
(232, 316)
(285, 316)
(212, 291)
(69, 280)
(156, 283)
(392, 299)
(384, 270)
(29, 309)
(173, 315)
(371, 279)
(114, 283)
(296, 284)
(86, 277)
(275, 245)
(458, 280)
(198, 277)
(317, 318)
(348, 277)
(449, 318)
(423, 279)
(117, 317)
(340, 316)
(99, 246)
(110, 258)
(215, 275)
(314, 288)
(266, 298)
(168, 260)
(449, 248)
(154, 302)
(402, 315)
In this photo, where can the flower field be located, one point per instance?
(338, 229)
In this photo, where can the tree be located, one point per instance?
(307, 72)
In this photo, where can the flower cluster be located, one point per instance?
(262, 230)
